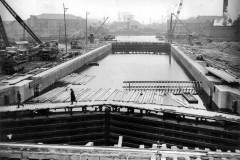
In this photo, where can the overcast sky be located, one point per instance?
(144, 10)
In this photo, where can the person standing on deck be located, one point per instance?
(72, 95)
(19, 99)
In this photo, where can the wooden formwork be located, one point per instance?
(176, 87)
(141, 47)
(103, 124)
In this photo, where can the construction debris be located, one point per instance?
(220, 55)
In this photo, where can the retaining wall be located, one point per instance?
(223, 98)
(49, 77)
(105, 127)
(37, 83)
(196, 70)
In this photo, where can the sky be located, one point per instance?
(145, 11)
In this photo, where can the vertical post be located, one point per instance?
(59, 33)
(162, 26)
(210, 98)
(24, 35)
(170, 34)
(107, 125)
(65, 26)
(170, 55)
(120, 139)
(86, 34)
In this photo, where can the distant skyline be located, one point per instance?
(145, 11)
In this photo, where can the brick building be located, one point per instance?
(47, 26)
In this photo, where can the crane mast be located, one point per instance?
(177, 15)
(21, 22)
(3, 33)
(98, 29)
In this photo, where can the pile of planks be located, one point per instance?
(222, 75)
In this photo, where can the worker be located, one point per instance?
(19, 99)
(72, 95)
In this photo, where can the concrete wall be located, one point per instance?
(220, 95)
(24, 88)
(48, 77)
(43, 80)
(225, 96)
(7, 94)
(196, 70)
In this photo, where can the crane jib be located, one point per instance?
(21, 22)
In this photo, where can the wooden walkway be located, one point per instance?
(77, 79)
(62, 95)
(192, 112)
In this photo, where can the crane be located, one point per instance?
(173, 26)
(184, 25)
(21, 22)
(98, 29)
(3, 34)
(91, 37)
(47, 50)
(190, 35)
(177, 15)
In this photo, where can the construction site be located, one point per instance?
(74, 88)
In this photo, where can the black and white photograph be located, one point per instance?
(119, 79)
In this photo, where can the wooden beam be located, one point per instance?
(120, 139)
